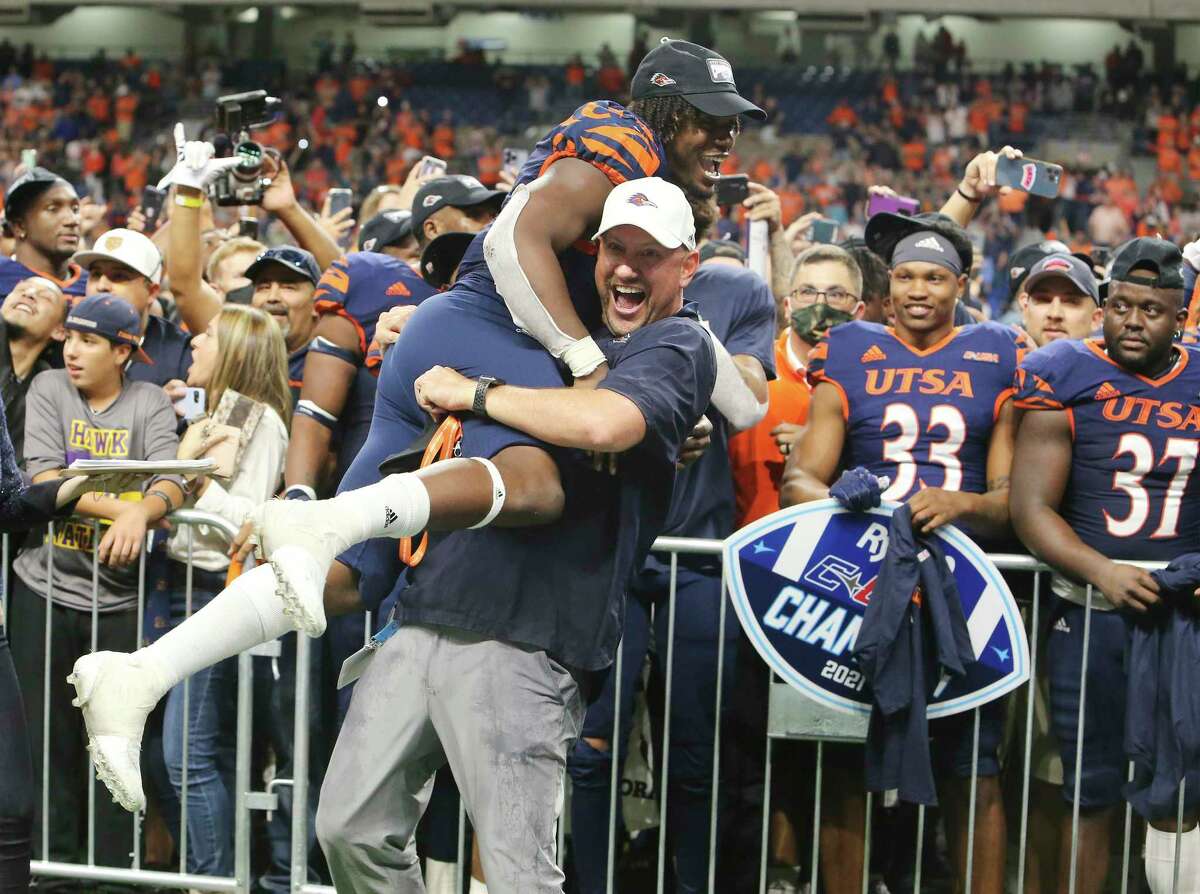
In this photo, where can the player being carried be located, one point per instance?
(925, 405)
(537, 273)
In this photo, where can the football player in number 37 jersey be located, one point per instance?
(927, 405)
(1105, 471)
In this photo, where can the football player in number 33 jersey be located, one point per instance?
(927, 405)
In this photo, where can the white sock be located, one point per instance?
(397, 506)
(439, 877)
(1160, 861)
(477, 887)
(244, 614)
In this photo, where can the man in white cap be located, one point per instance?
(127, 264)
(485, 678)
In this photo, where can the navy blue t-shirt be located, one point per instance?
(738, 306)
(12, 272)
(296, 371)
(169, 347)
(561, 587)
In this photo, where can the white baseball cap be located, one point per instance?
(654, 205)
(128, 247)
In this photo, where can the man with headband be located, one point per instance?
(919, 413)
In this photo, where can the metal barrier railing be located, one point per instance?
(790, 716)
(244, 798)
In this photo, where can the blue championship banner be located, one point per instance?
(801, 579)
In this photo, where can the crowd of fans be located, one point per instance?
(230, 303)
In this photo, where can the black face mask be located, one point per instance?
(814, 320)
(240, 295)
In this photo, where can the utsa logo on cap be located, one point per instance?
(112, 243)
(641, 200)
(1016, 272)
(369, 244)
(658, 79)
(431, 200)
(720, 71)
(1028, 176)
(931, 243)
(1057, 264)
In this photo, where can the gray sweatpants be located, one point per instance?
(501, 715)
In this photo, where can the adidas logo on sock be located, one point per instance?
(1106, 392)
(872, 353)
(1061, 626)
(388, 516)
(930, 243)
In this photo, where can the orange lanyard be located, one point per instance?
(441, 446)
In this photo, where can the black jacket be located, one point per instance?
(913, 632)
(1162, 720)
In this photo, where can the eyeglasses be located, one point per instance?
(835, 297)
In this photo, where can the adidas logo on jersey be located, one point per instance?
(930, 243)
(1060, 626)
(389, 517)
(1106, 392)
(398, 289)
(871, 354)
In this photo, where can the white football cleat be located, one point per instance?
(300, 585)
(117, 691)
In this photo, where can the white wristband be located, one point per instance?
(583, 356)
(498, 492)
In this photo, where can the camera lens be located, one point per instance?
(250, 158)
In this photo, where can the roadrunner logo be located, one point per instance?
(658, 79)
(1028, 176)
(641, 200)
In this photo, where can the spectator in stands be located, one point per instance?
(1108, 223)
(575, 76)
(128, 265)
(88, 410)
(31, 328)
(876, 287)
(386, 197)
(391, 233)
(241, 355)
(41, 213)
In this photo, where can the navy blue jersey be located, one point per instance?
(296, 372)
(561, 587)
(738, 306)
(12, 272)
(362, 285)
(614, 141)
(169, 347)
(922, 418)
(1132, 493)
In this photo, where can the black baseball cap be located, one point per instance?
(722, 248)
(886, 229)
(455, 191)
(442, 256)
(295, 259)
(1148, 261)
(112, 317)
(1021, 261)
(701, 76)
(1069, 266)
(27, 187)
(384, 229)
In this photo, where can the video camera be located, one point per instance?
(237, 115)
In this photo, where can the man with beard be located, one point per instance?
(41, 212)
(1103, 474)
(925, 405)
(525, 643)
(31, 320)
(285, 283)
